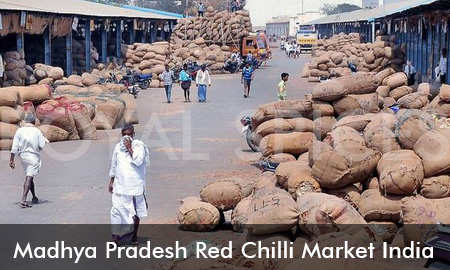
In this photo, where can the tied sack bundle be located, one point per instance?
(350, 194)
(130, 114)
(10, 97)
(86, 129)
(239, 215)
(348, 162)
(436, 187)
(54, 133)
(197, 216)
(295, 143)
(272, 211)
(434, 150)
(11, 115)
(401, 172)
(7, 131)
(319, 210)
(417, 211)
(34, 93)
(296, 177)
(281, 109)
(367, 103)
(412, 124)
(225, 194)
(267, 180)
(376, 206)
(58, 116)
(360, 83)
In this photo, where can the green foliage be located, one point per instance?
(337, 9)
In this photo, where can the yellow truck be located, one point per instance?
(306, 37)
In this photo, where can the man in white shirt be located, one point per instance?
(443, 66)
(27, 144)
(410, 72)
(127, 186)
(203, 80)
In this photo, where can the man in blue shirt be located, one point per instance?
(247, 77)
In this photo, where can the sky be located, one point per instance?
(262, 10)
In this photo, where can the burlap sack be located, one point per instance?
(54, 133)
(56, 73)
(225, 194)
(380, 76)
(239, 214)
(272, 211)
(7, 131)
(357, 122)
(34, 93)
(399, 92)
(281, 158)
(420, 211)
(296, 177)
(198, 216)
(323, 125)
(436, 187)
(273, 126)
(281, 109)
(58, 116)
(85, 128)
(434, 150)
(130, 113)
(416, 100)
(371, 183)
(105, 116)
(10, 115)
(87, 79)
(381, 138)
(401, 172)
(315, 149)
(383, 91)
(318, 209)
(294, 143)
(329, 91)
(350, 194)
(376, 206)
(333, 169)
(384, 119)
(301, 124)
(367, 103)
(396, 80)
(359, 83)
(74, 80)
(9, 97)
(267, 180)
(322, 108)
(444, 93)
(342, 137)
(412, 124)
(6, 144)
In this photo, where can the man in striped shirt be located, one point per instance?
(248, 74)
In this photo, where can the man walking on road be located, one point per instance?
(185, 82)
(248, 74)
(27, 144)
(202, 80)
(282, 95)
(127, 186)
(167, 76)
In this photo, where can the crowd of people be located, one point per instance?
(291, 48)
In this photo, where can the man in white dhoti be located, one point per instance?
(127, 186)
(27, 144)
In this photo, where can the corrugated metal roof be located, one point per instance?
(372, 14)
(78, 7)
(155, 11)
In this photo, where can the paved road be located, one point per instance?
(191, 144)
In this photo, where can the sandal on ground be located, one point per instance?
(35, 200)
(24, 205)
(134, 241)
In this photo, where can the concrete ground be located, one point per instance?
(191, 144)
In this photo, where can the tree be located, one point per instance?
(337, 9)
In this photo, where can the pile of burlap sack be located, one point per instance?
(379, 168)
(65, 115)
(331, 57)
(15, 70)
(146, 58)
(216, 27)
